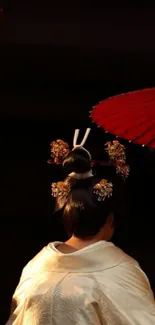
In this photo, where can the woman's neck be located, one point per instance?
(78, 243)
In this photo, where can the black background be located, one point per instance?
(56, 62)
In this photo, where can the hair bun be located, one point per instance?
(77, 161)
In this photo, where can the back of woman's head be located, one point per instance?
(86, 201)
(84, 215)
(77, 161)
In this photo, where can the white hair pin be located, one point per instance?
(81, 145)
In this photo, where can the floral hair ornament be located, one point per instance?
(61, 190)
(103, 189)
(117, 154)
(59, 151)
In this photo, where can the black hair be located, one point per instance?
(83, 214)
(78, 161)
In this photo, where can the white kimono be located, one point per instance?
(98, 285)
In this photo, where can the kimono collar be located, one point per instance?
(100, 256)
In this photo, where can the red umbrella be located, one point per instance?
(130, 116)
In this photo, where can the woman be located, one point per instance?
(86, 280)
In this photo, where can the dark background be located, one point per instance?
(56, 61)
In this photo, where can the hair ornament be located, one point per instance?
(61, 190)
(122, 168)
(117, 154)
(59, 150)
(81, 145)
(78, 205)
(103, 189)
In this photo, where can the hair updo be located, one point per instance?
(80, 197)
(77, 161)
(83, 213)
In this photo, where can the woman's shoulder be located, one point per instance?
(35, 263)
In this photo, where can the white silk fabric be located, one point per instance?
(98, 285)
